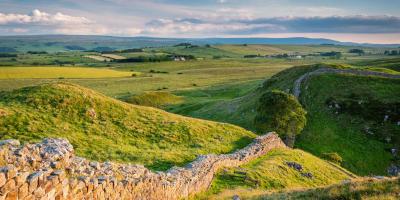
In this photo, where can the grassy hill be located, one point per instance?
(239, 108)
(326, 132)
(102, 128)
(271, 172)
(365, 188)
(346, 130)
(392, 63)
(154, 99)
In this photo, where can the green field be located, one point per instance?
(175, 76)
(59, 72)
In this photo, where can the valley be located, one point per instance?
(163, 107)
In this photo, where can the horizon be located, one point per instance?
(205, 38)
(346, 21)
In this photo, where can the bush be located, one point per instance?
(333, 157)
(280, 112)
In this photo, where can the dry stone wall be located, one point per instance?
(50, 170)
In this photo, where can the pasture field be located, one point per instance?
(59, 72)
(291, 49)
(175, 75)
(113, 56)
(98, 58)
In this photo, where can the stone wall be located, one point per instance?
(50, 170)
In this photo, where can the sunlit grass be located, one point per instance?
(59, 72)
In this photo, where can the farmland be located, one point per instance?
(59, 72)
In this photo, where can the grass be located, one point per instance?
(325, 132)
(215, 103)
(99, 58)
(344, 133)
(252, 49)
(199, 52)
(388, 63)
(102, 128)
(238, 109)
(255, 49)
(365, 188)
(154, 99)
(181, 75)
(59, 72)
(271, 173)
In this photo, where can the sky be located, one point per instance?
(364, 21)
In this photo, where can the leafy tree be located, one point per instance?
(280, 112)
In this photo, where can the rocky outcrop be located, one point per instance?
(304, 77)
(50, 170)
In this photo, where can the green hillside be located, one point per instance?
(272, 172)
(365, 188)
(154, 99)
(102, 128)
(344, 133)
(238, 109)
(363, 106)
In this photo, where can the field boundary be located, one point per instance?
(50, 170)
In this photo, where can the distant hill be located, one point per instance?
(62, 42)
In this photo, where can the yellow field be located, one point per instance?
(59, 72)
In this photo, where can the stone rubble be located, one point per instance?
(50, 170)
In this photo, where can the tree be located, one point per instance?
(280, 112)
(357, 51)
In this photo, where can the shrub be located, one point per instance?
(280, 112)
(333, 157)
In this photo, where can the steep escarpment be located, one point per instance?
(102, 128)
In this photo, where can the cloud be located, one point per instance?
(38, 17)
(224, 21)
(248, 26)
(38, 22)
(334, 24)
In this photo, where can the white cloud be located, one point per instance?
(39, 22)
(41, 18)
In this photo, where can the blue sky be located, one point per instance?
(375, 21)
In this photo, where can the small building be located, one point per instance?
(179, 58)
